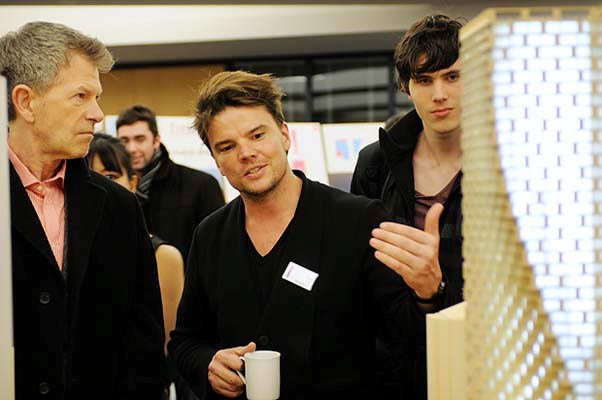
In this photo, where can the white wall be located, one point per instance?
(6, 303)
(160, 24)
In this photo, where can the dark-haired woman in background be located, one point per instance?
(108, 157)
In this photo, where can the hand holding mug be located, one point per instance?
(223, 370)
(262, 374)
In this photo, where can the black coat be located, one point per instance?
(179, 198)
(326, 335)
(96, 330)
(384, 171)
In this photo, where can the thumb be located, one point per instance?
(245, 349)
(431, 221)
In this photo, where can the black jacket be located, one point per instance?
(326, 335)
(94, 331)
(179, 198)
(384, 170)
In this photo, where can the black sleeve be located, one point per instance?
(401, 318)
(142, 369)
(195, 338)
(212, 198)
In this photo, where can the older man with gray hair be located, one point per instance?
(87, 306)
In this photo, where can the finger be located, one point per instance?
(400, 241)
(399, 254)
(406, 273)
(431, 221)
(224, 376)
(223, 387)
(229, 360)
(410, 232)
(226, 391)
(383, 254)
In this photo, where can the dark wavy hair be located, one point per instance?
(434, 37)
(111, 152)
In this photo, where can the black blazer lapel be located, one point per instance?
(290, 310)
(84, 203)
(25, 220)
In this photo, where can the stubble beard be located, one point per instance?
(262, 194)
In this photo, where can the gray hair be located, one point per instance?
(34, 54)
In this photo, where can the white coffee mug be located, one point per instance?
(262, 374)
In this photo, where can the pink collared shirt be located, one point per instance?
(48, 199)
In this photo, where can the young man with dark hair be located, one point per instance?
(415, 168)
(87, 307)
(174, 198)
(286, 266)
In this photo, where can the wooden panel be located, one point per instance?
(166, 90)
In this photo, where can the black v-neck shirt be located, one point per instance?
(265, 269)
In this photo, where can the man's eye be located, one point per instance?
(258, 135)
(225, 149)
(111, 177)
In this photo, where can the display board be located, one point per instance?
(7, 385)
(342, 144)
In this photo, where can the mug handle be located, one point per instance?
(241, 375)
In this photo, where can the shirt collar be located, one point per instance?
(28, 179)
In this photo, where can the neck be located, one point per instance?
(440, 148)
(279, 204)
(31, 153)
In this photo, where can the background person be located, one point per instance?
(421, 160)
(108, 157)
(86, 299)
(174, 198)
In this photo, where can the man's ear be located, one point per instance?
(156, 142)
(24, 99)
(286, 137)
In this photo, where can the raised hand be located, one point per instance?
(411, 253)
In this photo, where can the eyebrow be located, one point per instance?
(429, 74)
(453, 71)
(86, 88)
(250, 132)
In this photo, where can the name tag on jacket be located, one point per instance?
(300, 276)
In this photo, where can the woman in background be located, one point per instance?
(108, 157)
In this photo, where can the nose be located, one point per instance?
(95, 113)
(439, 91)
(129, 146)
(246, 151)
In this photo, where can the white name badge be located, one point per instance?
(300, 276)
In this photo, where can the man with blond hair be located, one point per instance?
(86, 300)
(286, 266)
